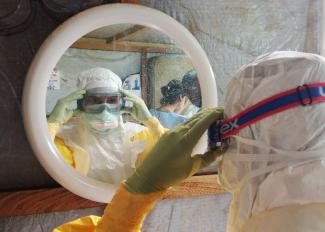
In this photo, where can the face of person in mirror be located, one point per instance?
(172, 102)
(181, 104)
(101, 112)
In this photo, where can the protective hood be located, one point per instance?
(99, 78)
(279, 145)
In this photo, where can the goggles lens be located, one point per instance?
(98, 103)
(95, 100)
(98, 108)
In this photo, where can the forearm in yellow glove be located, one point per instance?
(127, 211)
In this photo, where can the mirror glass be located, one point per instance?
(92, 101)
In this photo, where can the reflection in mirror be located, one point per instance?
(109, 93)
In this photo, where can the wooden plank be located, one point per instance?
(125, 46)
(196, 186)
(41, 201)
(124, 34)
(23, 203)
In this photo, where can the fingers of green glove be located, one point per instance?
(77, 112)
(131, 99)
(75, 95)
(127, 93)
(124, 92)
(78, 94)
(190, 122)
(208, 157)
(138, 103)
(69, 114)
(196, 117)
(202, 122)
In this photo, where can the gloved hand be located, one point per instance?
(170, 161)
(61, 113)
(139, 110)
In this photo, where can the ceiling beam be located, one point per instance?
(124, 34)
(126, 46)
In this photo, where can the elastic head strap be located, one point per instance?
(303, 95)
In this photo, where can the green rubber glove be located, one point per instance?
(61, 113)
(139, 110)
(170, 162)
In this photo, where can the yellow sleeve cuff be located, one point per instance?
(53, 128)
(64, 150)
(84, 224)
(155, 128)
(127, 211)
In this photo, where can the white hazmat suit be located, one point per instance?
(275, 167)
(108, 157)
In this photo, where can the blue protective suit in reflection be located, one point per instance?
(168, 119)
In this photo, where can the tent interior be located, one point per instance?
(231, 33)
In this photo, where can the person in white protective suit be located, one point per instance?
(99, 144)
(275, 167)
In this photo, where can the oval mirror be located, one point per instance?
(120, 53)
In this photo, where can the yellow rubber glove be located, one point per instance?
(61, 113)
(170, 161)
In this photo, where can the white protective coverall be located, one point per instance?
(109, 158)
(275, 168)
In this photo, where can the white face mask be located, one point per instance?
(104, 126)
(102, 123)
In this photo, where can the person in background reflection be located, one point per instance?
(173, 101)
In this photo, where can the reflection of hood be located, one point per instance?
(99, 78)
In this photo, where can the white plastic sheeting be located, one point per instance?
(234, 32)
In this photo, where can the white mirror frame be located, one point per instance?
(48, 56)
